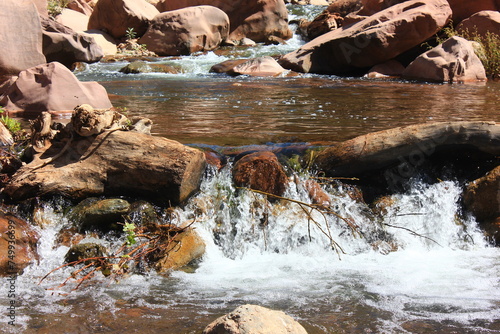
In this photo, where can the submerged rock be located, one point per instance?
(254, 319)
(84, 251)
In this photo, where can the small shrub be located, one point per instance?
(130, 34)
(55, 7)
(11, 124)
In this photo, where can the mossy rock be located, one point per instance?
(99, 214)
(137, 67)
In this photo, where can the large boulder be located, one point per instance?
(21, 37)
(105, 41)
(464, 9)
(116, 16)
(481, 23)
(187, 30)
(374, 40)
(398, 154)
(452, 61)
(261, 171)
(255, 19)
(250, 319)
(41, 6)
(74, 20)
(114, 162)
(52, 87)
(263, 67)
(80, 6)
(18, 244)
(64, 45)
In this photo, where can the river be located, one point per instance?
(444, 279)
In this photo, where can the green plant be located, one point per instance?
(130, 34)
(11, 124)
(129, 229)
(55, 7)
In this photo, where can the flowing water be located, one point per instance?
(421, 267)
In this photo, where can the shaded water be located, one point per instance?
(448, 283)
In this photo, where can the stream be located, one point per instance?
(421, 267)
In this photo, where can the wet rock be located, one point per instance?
(261, 171)
(115, 162)
(481, 23)
(316, 193)
(491, 230)
(64, 45)
(374, 40)
(141, 213)
(116, 16)
(18, 244)
(226, 66)
(184, 248)
(84, 251)
(482, 196)
(187, 30)
(260, 67)
(103, 215)
(254, 319)
(52, 87)
(255, 19)
(139, 66)
(20, 51)
(396, 155)
(452, 61)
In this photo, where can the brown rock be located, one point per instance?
(20, 50)
(376, 39)
(64, 45)
(41, 6)
(254, 319)
(452, 61)
(113, 163)
(262, 67)
(464, 9)
(116, 16)
(491, 230)
(74, 20)
(317, 194)
(52, 87)
(482, 196)
(187, 30)
(481, 23)
(105, 41)
(18, 244)
(410, 145)
(255, 19)
(389, 69)
(80, 6)
(260, 171)
(185, 248)
(226, 66)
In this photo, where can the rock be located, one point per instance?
(64, 45)
(103, 215)
(464, 9)
(260, 171)
(322, 24)
(254, 319)
(74, 20)
(389, 69)
(52, 87)
(375, 40)
(41, 6)
(116, 16)
(400, 153)
(80, 6)
(262, 67)
(317, 194)
(139, 66)
(20, 51)
(185, 248)
(105, 41)
(84, 251)
(124, 163)
(141, 213)
(255, 19)
(6, 138)
(452, 61)
(18, 244)
(187, 30)
(481, 23)
(482, 196)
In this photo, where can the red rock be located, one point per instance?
(255, 19)
(464, 9)
(452, 61)
(52, 87)
(116, 16)
(80, 6)
(482, 196)
(481, 23)
(262, 67)
(18, 244)
(187, 30)
(261, 171)
(389, 69)
(21, 37)
(74, 20)
(41, 6)
(374, 40)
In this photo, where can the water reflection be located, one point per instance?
(239, 111)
